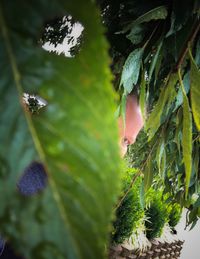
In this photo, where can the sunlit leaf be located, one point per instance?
(187, 137)
(166, 97)
(142, 100)
(148, 174)
(195, 91)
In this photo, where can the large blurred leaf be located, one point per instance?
(76, 144)
(195, 91)
(131, 70)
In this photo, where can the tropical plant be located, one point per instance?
(69, 139)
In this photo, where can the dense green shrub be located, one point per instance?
(129, 212)
(175, 211)
(156, 214)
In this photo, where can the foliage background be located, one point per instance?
(155, 52)
(75, 143)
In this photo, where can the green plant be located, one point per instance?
(160, 41)
(175, 212)
(75, 136)
(156, 214)
(129, 213)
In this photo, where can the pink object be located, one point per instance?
(134, 123)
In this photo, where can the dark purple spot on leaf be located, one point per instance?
(33, 180)
(2, 245)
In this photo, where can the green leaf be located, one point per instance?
(148, 174)
(197, 203)
(179, 119)
(197, 56)
(179, 97)
(131, 70)
(118, 111)
(158, 65)
(136, 34)
(187, 137)
(163, 164)
(77, 145)
(123, 108)
(142, 195)
(142, 100)
(196, 161)
(157, 13)
(194, 221)
(154, 61)
(195, 91)
(166, 97)
(161, 158)
(187, 141)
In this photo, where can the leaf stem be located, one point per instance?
(150, 37)
(17, 78)
(191, 38)
(136, 176)
(181, 82)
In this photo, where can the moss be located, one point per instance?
(129, 213)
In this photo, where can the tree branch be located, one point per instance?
(191, 38)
